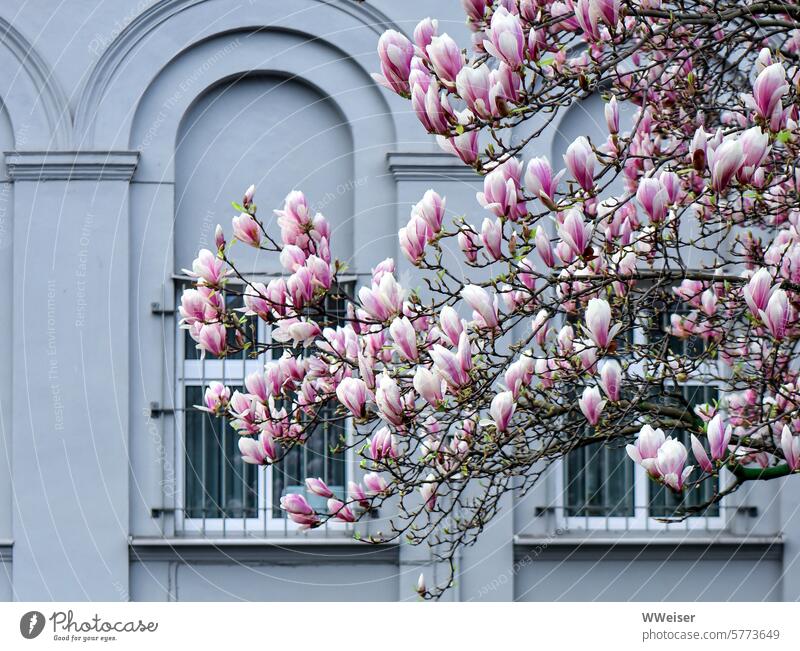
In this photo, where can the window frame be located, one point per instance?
(641, 520)
(200, 372)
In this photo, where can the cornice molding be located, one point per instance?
(423, 166)
(71, 165)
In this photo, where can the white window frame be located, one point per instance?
(641, 520)
(200, 373)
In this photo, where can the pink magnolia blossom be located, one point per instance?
(777, 314)
(790, 445)
(483, 304)
(475, 10)
(644, 451)
(446, 58)
(256, 384)
(768, 91)
(432, 107)
(611, 379)
(355, 493)
(612, 115)
(755, 147)
(200, 305)
(709, 302)
(690, 291)
(758, 290)
(608, 11)
(431, 209)
(541, 183)
(219, 238)
(428, 494)
(405, 338)
(299, 332)
(352, 393)
(340, 511)
(670, 462)
(413, 238)
(247, 200)
(724, 162)
(429, 385)
(543, 247)
(212, 338)
(258, 451)
(375, 484)
(395, 52)
(502, 409)
(299, 511)
(598, 323)
(501, 191)
(425, 30)
(246, 229)
(588, 18)
(464, 145)
(452, 367)
(318, 487)
(580, 161)
(216, 397)
(506, 41)
(492, 237)
(539, 326)
(388, 400)
(576, 233)
(519, 374)
(468, 242)
(719, 435)
(383, 300)
(481, 92)
(300, 287)
(209, 269)
(591, 404)
(700, 454)
(652, 196)
(293, 218)
(451, 324)
(383, 445)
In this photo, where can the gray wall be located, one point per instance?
(153, 116)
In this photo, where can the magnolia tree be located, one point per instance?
(683, 224)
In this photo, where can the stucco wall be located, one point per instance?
(153, 116)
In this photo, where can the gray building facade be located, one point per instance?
(127, 127)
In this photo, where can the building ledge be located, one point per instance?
(6, 550)
(71, 165)
(649, 546)
(282, 551)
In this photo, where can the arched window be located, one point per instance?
(281, 135)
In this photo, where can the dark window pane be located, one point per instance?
(218, 483)
(314, 459)
(659, 325)
(599, 482)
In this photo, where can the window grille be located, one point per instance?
(601, 487)
(219, 494)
